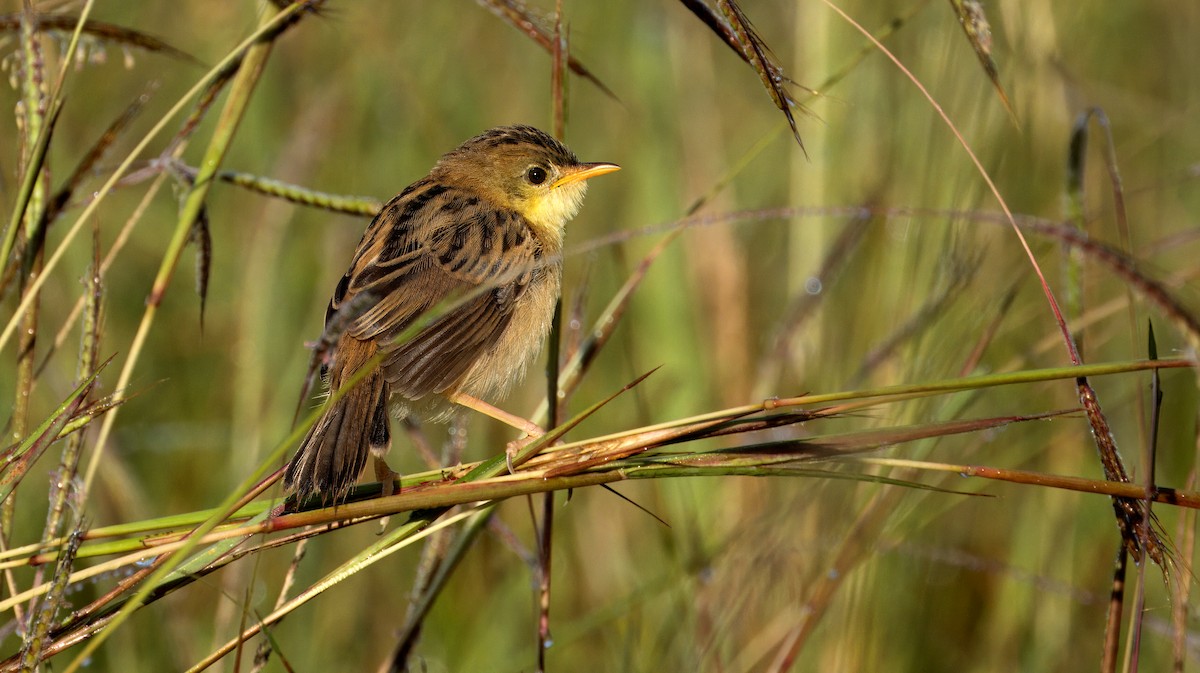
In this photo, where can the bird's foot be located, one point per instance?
(513, 449)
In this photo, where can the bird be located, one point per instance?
(482, 233)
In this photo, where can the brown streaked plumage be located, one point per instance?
(485, 225)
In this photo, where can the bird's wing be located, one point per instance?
(432, 245)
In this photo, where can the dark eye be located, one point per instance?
(536, 175)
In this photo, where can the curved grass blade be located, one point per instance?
(88, 163)
(33, 168)
(101, 31)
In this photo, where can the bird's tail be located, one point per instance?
(334, 452)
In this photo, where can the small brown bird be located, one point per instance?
(485, 226)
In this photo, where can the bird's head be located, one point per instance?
(524, 170)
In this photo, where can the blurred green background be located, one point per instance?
(363, 99)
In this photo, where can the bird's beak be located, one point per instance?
(583, 172)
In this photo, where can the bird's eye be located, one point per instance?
(536, 175)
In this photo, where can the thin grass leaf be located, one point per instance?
(556, 403)
(64, 24)
(289, 579)
(25, 193)
(193, 218)
(851, 443)
(732, 26)
(210, 556)
(207, 98)
(1114, 489)
(978, 30)
(1114, 177)
(89, 161)
(156, 582)
(289, 16)
(1076, 168)
(105, 189)
(16, 460)
(885, 393)
(225, 128)
(1149, 525)
(90, 411)
(718, 469)
(394, 541)
(419, 608)
(1055, 310)
(535, 27)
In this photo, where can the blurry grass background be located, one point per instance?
(364, 99)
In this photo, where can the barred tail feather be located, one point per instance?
(334, 452)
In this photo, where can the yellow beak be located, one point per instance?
(583, 172)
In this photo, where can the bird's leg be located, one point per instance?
(532, 430)
(385, 475)
(525, 425)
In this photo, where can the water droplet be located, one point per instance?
(813, 285)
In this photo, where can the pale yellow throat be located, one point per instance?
(548, 213)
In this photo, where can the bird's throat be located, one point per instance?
(549, 214)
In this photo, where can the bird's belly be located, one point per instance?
(504, 364)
